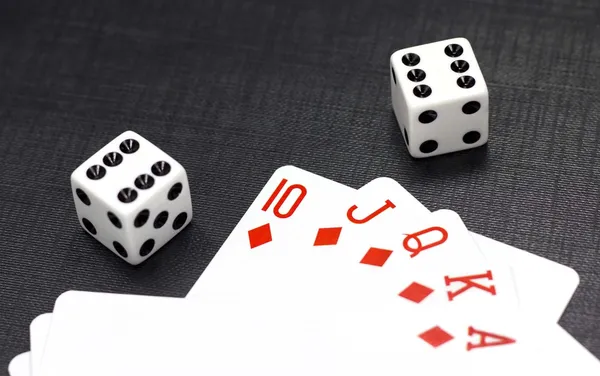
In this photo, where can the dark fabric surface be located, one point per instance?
(235, 89)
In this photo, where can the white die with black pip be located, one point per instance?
(439, 97)
(132, 197)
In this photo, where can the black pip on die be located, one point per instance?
(439, 97)
(132, 197)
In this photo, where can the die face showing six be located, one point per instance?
(439, 97)
(132, 197)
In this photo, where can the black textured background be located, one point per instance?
(235, 89)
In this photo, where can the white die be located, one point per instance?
(132, 197)
(439, 97)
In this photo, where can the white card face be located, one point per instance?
(282, 213)
(38, 332)
(19, 365)
(123, 335)
(544, 287)
(96, 334)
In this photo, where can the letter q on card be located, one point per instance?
(424, 239)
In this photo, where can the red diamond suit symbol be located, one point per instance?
(328, 236)
(260, 235)
(436, 336)
(376, 256)
(416, 292)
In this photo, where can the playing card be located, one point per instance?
(38, 332)
(19, 365)
(281, 214)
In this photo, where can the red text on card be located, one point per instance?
(443, 236)
(469, 282)
(495, 339)
(359, 221)
(286, 194)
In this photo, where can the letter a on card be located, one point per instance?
(487, 339)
